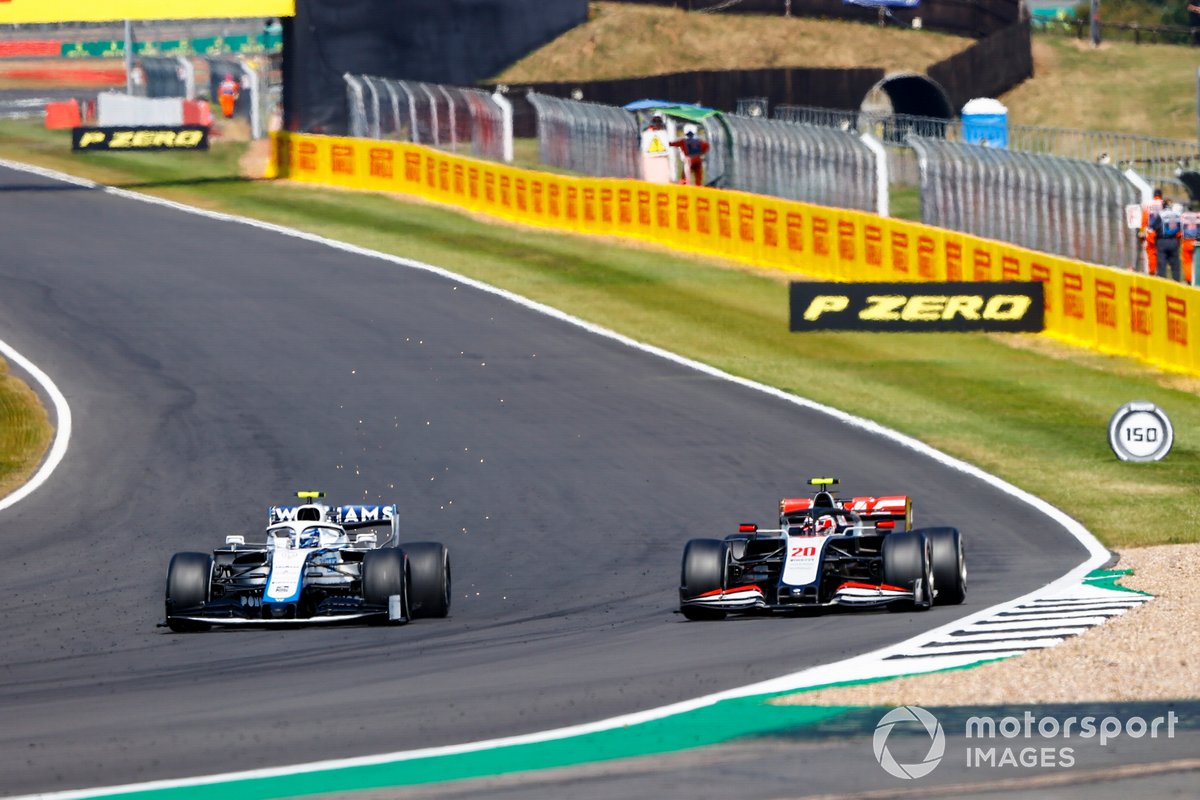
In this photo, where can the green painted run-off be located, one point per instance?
(720, 722)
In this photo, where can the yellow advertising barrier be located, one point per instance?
(26, 11)
(1109, 310)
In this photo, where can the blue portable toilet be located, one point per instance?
(985, 121)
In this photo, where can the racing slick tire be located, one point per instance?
(384, 574)
(188, 577)
(703, 571)
(428, 579)
(949, 565)
(907, 564)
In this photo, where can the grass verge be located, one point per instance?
(620, 40)
(1024, 407)
(25, 431)
(1074, 85)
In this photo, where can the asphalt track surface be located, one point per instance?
(214, 368)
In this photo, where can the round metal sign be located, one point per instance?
(1140, 431)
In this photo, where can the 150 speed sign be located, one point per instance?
(1140, 431)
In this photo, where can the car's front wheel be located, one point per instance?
(384, 576)
(188, 577)
(907, 564)
(703, 571)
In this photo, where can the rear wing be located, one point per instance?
(897, 508)
(894, 508)
(349, 517)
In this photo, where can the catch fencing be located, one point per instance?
(752, 154)
(1058, 190)
(428, 113)
(1055, 205)
(826, 166)
(588, 138)
(1038, 193)
(1156, 159)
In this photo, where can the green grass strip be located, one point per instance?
(25, 431)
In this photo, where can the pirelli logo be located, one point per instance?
(1177, 323)
(1013, 306)
(1106, 303)
(184, 137)
(1140, 321)
(1072, 295)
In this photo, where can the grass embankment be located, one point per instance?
(25, 431)
(621, 40)
(1023, 407)
(1146, 89)
(1143, 89)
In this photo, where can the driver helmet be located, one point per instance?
(310, 537)
(816, 526)
(689, 130)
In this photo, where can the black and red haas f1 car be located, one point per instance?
(861, 552)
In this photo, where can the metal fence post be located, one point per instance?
(373, 119)
(506, 115)
(882, 186)
(354, 98)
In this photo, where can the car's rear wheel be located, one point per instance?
(188, 577)
(949, 565)
(907, 564)
(429, 579)
(703, 571)
(384, 576)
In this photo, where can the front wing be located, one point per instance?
(752, 598)
(248, 621)
(235, 613)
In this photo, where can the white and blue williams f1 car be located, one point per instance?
(311, 569)
(861, 552)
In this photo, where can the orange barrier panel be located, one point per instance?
(1110, 310)
(64, 114)
(197, 112)
(99, 76)
(34, 48)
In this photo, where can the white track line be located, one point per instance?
(868, 665)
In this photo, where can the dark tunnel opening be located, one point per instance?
(915, 95)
